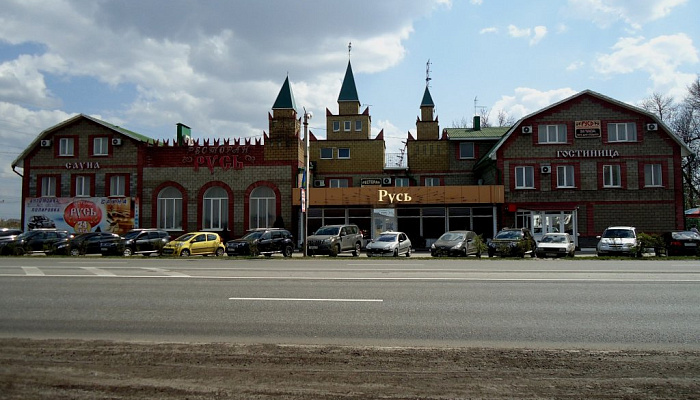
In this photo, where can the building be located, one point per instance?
(578, 165)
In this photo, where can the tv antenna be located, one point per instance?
(427, 74)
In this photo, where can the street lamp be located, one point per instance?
(307, 177)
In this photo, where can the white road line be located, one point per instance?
(33, 271)
(167, 272)
(297, 299)
(98, 271)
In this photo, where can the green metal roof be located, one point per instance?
(427, 99)
(348, 92)
(285, 98)
(494, 133)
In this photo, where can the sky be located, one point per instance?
(218, 65)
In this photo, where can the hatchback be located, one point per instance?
(391, 244)
(456, 243)
(195, 243)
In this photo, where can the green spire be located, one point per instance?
(348, 92)
(427, 99)
(285, 99)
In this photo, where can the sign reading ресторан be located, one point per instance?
(587, 129)
(608, 153)
(370, 182)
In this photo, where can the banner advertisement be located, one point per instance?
(82, 214)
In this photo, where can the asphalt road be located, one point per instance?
(356, 301)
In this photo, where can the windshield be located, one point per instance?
(686, 235)
(253, 235)
(452, 236)
(131, 234)
(618, 234)
(553, 239)
(184, 238)
(509, 235)
(327, 230)
(387, 238)
(27, 234)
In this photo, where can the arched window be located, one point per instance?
(262, 207)
(215, 209)
(170, 209)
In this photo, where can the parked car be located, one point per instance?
(48, 241)
(556, 245)
(40, 221)
(682, 243)
(335, 239)
(9, 234)
(617, 240)
(456, 243)
(391, 244)
(195, 243)
(514, 242)
(138, 241)
(265, 241)
(93, 242)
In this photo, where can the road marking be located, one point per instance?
(301, 299)
(167, 272)
(98, 271)
(33, 271)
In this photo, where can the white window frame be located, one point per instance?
(342, 153)
(565, 176)
(100, 146)
(551, 134)
(170, 209)
(336, 126)
(262, 207)
(653, 175)
(432, 181)
(215, 209)
(464, 150)
(525, 177)
(612, 176)
(82, 186)
(117, 185)
(65, 147)
(622, 132)
(326, 156)
(401, 182)
(338, 183)
(358, 125)
(48, 186)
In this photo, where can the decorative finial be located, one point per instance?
(427, 73)
(349, 49)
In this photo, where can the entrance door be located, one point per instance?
(552, 221)
(383, 219)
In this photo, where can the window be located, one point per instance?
(338, 183)
(432, 181)
(525, 177)
(100, 146)
(262, 207)
(358, 125)
(65, 147)
(466, 150)
(611, 176)
(551, 134)
(652, 175)
(343, 153)
(346, 125)
(117, 185)
(82, 186)
(326, 153)
(565, 176)
(48, 186)
(622, 132)
(170, 209)
(336, 126)
(401, 182)
(215, 209)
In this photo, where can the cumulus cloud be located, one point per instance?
(527, 100)
(634, 13)
(535, 34)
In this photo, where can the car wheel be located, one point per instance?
(128, 252)
(464, 252)
(396, 252)
(185, 253)
(408, 252)
(19, 251)
(74, 252)
(335, 250)
(287, 252)
(358, 249)
(433, 254)
(219, 252)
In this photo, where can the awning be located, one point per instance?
(692, 213)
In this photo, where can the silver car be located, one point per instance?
(392, 244)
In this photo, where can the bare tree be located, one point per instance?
(484, 114)
(663, 106)
(504, 119)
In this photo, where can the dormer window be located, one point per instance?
(65, 147)
(100, 146)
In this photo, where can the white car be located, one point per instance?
(556, 245)
(392, 244)
(617, 240)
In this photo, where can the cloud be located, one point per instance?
(634, 13)
(660, 57)
(527, 100)
(21, 82)
(491, 29)
(575, 65)
(535, 34)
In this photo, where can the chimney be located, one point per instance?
(477, 123)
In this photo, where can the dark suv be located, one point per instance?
(335, 239)
(514, 242)
(49, 241)
(138, 241)
(265, 241)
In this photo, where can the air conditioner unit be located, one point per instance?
(527, 129)
(386, 181)
(46, 143)
(319, 183)
(652, 127)
(545, 169)
(116, 142)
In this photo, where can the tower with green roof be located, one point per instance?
(284, 141)
(349, 123)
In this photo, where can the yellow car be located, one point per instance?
(195, 243)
